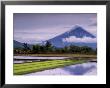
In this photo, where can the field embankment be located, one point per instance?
(59, 55)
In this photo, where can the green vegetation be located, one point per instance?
(48, 48)
(26, 68)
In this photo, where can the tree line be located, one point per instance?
(48, 48)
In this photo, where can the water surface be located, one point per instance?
(89, 68)
(36, 57)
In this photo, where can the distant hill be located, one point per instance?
(20, 45)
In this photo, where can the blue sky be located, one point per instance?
(37, 27)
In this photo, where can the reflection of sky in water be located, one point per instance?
(33, 57)
(89, 68)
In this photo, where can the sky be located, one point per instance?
(34, 28)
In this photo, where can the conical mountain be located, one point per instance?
(76, 31)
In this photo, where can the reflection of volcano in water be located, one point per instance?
(79, 69)
(77, 32)
(89, 68)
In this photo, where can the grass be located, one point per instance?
(26, 68)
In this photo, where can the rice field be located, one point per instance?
(26, 68)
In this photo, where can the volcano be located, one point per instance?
(79, 33)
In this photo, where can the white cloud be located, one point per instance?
(76, 40)
(38, 34)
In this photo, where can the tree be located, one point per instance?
(36, 48)
(74, 49)
(48, 46)
(26, 46)
(42, 49)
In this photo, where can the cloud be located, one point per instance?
(33, 35)
(93, 22)
(77, 40)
